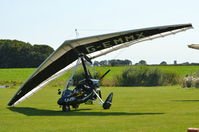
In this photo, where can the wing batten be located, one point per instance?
(65, 56)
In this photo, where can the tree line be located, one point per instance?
(118, 62)
(19, 54)
(113, 62)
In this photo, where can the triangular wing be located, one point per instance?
(65, 56)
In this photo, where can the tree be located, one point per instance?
(96, 63)
(114, 62)
(18, 54)
(103, 63)
(127, 62)
(142, 62)
(163, 63)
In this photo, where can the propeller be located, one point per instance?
(104, 74)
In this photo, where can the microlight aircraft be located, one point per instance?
(85, 49)
(194, 46)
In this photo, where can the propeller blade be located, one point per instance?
(104, 74)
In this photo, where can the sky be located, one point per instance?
(54, 21)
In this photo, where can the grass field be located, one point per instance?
(137, 109)
(18, 76)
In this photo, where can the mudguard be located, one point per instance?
(107, 104)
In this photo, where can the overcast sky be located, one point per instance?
(54, 21)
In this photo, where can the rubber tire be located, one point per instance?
(106, 105)
(75, 106)
(65, 108)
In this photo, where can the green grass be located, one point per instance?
(182, 70)
(10, 76)
(139, 109)
(18, 76)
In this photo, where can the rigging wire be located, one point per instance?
(93, 69)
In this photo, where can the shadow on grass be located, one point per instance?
(186, 100)
(80, 112)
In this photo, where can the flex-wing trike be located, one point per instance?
(86, 91)
(64, 58)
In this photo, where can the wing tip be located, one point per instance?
(10, 104)
(188, 25)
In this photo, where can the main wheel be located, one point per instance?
(75, 106)
(65, 108)
(107, 104)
